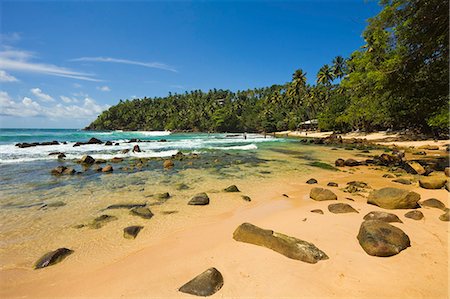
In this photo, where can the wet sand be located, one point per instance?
(174, 248)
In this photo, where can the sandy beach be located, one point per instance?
(167, 254)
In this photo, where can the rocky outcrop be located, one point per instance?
(341, 208)
(25, 145)
(321, 194)
(52, 257)
(200, 199)
(205, 284)
(288, 246)
(394, 198)
(382, 216)
(416, 215)
(432, 182)
(379, 238)
(231, 188)
(131, 232)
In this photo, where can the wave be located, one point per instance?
(237, 147)
(153, 133)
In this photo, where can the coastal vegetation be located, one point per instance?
(398, 79)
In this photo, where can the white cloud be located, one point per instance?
(68, 99)
(155, 65)
(5, 77)
(104, 88)
(41, 96)
(89, 109)
(18, 60)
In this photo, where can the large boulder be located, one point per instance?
(379, 238)
(200, 199)
(205, 284)
(321, 194)
(414, 168)
(341, 208)
(432, 182)
(394, 198)
(433, 203)
(52, 257)
(382, 216)
(288, 246)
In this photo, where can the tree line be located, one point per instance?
(398, 79)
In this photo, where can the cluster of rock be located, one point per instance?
(33, 144)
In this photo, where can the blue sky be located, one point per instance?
(63, 62)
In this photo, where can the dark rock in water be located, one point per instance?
(117, 143)
(389, 176)
(340, 208)
(231, 188)
(60, 170)
(131, 232)
(311, 181)
(205, 284)
(125, 151)
(432, 182)
(182, 187)
(394, 198)
(379, 238)
(168, 164)
(61, 156)
(321, 194)
(351, 162)
(54, 153)
(317, 211)
(108, 143)
(332, 184)
(382, 216)
(136, 149)
(77, 144)
(52, 258)
(402, 181)
(445, 216)
(178, 156)
(125, 206)
(100, 161)
(288, 246)
(246, 198)
(416, 215)
(86, 159)
(339, 162)
(100, 221)
(142, 212)
(107, 168)
(433, 203)
(94, 141)
(200, 199)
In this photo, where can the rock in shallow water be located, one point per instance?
(131, 232)
(205, 284)
(142, 212)
(321, 194)
(52, 258)
(379, 238)
(200, 199)
(100, 221)
(382, 216)
(394, 198)
(340, 208)
(288, 246)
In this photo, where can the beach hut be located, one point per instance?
(309, 125)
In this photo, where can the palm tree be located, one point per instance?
(325, 75)
(297, 85)
(339, 67)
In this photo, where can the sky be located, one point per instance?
(63, 62)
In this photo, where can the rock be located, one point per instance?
(107, 168)
(182, 186)
(445, 216)
(311, 181)
(394, 198)
(87, 160)
(416, 215)
(164, 195)
(318, 211)
(432, 182)
(108, 143)
(61, 156)
(55, 204)
(351, 162)
(447, 171)
(231, 188)
(131, 232)
(332, 184)
(168, 164)
(321, 194)
(100, 221)
(288, 246)
(358, 184)
(382, 216)
(402, 181)
(136, 149)
(340, 208)
(178, 156)
(339, 162)
(246, 198)
(60, 170)
(125, 206)
(414, 168)
(205, 284)
(69, 171)
(125, 151)
(52, 257)
(379, 238)
(433, 203)
(94, 141)
(100, 161)
(116, 160)
(389, 176)
(142, 212)
(200, 199)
